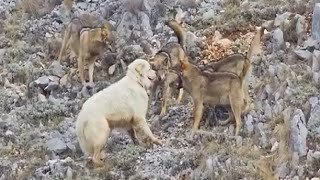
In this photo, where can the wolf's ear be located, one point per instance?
(139, 69)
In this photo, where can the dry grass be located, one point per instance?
(38, 8)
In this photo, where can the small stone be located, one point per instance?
(281, 18)
(64, 80)
(56, 69)
(209, 15)
(303, 54)
(42, 81)
(9, 133)
(299, 133)
(277, 40)
(48, 35)
(69, 173)
(56, 145)
(42, 97)
(239, 140)
(316, 155)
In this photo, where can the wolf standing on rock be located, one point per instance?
(121, 105)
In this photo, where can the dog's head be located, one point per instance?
(157, 63)
(106, 34)
(142, 72)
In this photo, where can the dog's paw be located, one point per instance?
(158, 142)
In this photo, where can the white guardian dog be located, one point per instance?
(123, 105)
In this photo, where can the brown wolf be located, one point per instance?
(167, 65)
(86, 41)
(216, 88)
(237, 63)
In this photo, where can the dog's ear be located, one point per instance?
(139, 69)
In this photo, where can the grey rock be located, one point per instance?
(208, 16)
(82, 5)
(300, 28)
(145, 25)
(249, 124)
(42, 81)
(56, 145)
(315, 22)
(314, 101)
(263, 137)
(316, 155)
(267, 110)
(239, 140)
(310, 43)
(281, 18)
(277, 40)
(314, 120)
(282, 170)
(316, 61)
(303, 54)
(316, 78)
(147, 5)
(56, 69)
(69, 173)
(124, 30)
(2, 53)
(52, 86)
(130, 53)
(299, 133)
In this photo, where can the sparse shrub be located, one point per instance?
(38, 8)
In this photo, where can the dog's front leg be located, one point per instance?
(142, 124)
(133, 136)
(81, 68)
(166, 94)
(91, 69)
(198, 111)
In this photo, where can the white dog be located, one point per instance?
(123, 104)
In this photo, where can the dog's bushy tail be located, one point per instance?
(179, 32)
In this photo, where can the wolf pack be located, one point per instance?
(124, 104)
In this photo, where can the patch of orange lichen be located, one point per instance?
(216, 47)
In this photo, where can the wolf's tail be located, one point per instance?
(179, 32)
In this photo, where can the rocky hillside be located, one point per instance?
(40, 98)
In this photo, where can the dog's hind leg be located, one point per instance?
(198, 111)
(180, 95)
(142, 124)
(64, 43)
(236, 106)
(133, 136)
(96, 134)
